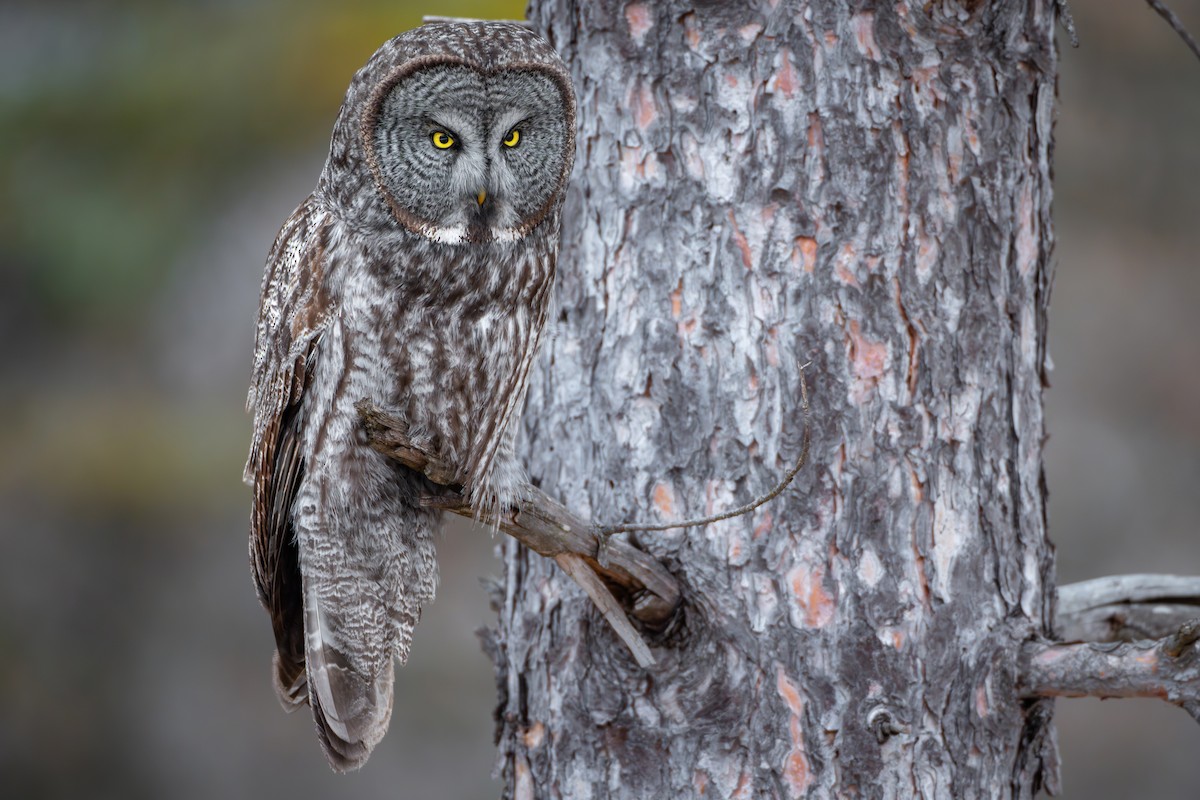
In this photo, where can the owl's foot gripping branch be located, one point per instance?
(601, 566)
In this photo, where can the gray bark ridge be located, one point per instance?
(758, 186)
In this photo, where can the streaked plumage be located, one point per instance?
(418, 277)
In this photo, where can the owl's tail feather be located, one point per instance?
(356, 720)
(291, 682)
(352, 709)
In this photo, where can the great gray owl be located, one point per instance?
(417, 275)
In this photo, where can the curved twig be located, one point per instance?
(748, 507)
(586, 552)
(1067, 21)
(1175, 24)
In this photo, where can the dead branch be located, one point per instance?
(1175, 24)
(549, 529)
(579, 571)
(583, 550)
(1067, 21)
(1123, 608)
(1168, 668)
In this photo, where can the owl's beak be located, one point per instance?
(479, 198)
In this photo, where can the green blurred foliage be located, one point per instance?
(120, 137)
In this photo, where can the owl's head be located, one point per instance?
(470, 137)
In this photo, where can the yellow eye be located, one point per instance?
(513, 137)
(442, 140)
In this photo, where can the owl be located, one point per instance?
(417, 275)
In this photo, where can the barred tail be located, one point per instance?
(351, 706)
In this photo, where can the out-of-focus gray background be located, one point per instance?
(1123, 459)
(149, 152)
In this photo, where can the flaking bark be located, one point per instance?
(758, 186)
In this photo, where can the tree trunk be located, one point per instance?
(759, 186)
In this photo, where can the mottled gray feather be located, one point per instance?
(393, 283)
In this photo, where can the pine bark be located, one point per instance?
(760, 185)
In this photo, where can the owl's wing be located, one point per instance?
(293, 313)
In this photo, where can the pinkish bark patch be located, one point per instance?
(784, 80)
(742, 243)
(868, 360)
(640, 21)
(796, 773)
(863, 27)
(664, 499)
(641, 102)
(812, 606)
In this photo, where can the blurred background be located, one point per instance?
(149, 152)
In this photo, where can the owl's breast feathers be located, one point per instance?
(445, 336)
(450, 332)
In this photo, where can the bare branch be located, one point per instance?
(583, 550)
(579, 571)
(1067, 21)
(748, 507)
(1126, 607)
(1174, 22)
(1168, 668)
(549, 529)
